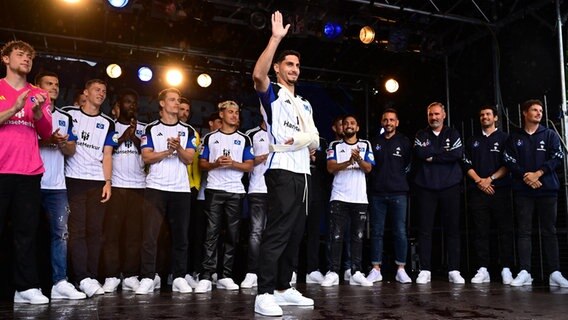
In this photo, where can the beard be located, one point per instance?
(349, 134)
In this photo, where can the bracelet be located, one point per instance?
(108, 180)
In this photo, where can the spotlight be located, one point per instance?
(332, 30)
(367, 34)
(118, 3)
(174, 77)
(258, 20)
(145, 74)
(113, 70)
(391, 85)
(204, 80)
(71, 1)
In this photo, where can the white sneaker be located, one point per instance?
(65, 290)
(90, 287)
(424, 277)
(265, 305)
(203, 286)
(347, 275)
(523, 279)
(454, 276)
(331, 279)
(557, 280)
(157, 282)
(482, 276)
(227, 284)
(191, 281)
(358, 279)
(31, 296)
(506, 276)
(402, 276)
(375, 275)
(130, 284)
(111, 284)
(180, 285)
(293, 279)
(314, 277)
(249, 281)
(291, 297)
(146, 286)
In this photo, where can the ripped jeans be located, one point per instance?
(55, 204)
(341, 213)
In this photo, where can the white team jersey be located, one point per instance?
(169, 174)
(282, 123)
(53, 160)
(93, 134)
(127, 164)
(237, 145)
(350, 185)
(259, 139)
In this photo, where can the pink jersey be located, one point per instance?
(19, 149)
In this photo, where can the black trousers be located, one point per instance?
(448, 203)
(316, 210)
(20, 197)
(197, 229)
(258, 208)
(219, 204)
(85, 227)
(342, 214)
(485, 208)
(284, 228)
(123, 233)
(173, 207)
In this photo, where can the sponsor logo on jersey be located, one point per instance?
(100, 126)
(291, 125)
(85, 135)
(62, 123)
(181, 133)
(237, 142)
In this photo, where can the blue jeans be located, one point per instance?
(395, 207)
(56, 206)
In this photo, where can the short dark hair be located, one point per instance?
(184, 100)
(527, 104)
(15, 45)
(338, 118)
(390, 110)
(488, 107)
(39, 76)
(350, 115)
(282, 55)
(126, 92)
(163, 93)
(93, 81)
(77, 96)
(214, 116)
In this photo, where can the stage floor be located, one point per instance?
(385, 300)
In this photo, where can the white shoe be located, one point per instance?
(523, 279)
(358, 279)
(506, 276)
(130, 284)
(314, 277)
(265, 305)
(227, 284)
(157, 282)
(291, 297)
(293, 279)
(331, 279)
(375, 275)
(347, 275)
(557, 280)
(31, 296)
(402, 276)
(424, 277)
(180, 285)
(454, 276)
(111, 284)
(191, 281)
(203, 286)
(90, 287)
(146, 286)
(65, 291)
(482, 276)
(249, 281)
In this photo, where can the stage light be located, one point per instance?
(332, 30)
(113, 70)
(118, 3)
(367, 34)
(204, 80)
(145, 74)
(174, 77)
(391, 85)
(71, 1)
(258, 20)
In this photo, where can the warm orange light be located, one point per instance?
(71, 1)
(174, 77)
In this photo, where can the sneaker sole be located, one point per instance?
(57, 297)
(269, 314)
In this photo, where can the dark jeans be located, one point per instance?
(173, 207)
(258, 208)
(484, 208)
(20, 198)
(545, 209)
(85, 227)
(219, 204)
(313, 234)
(395, 207)
(197, 229)
(123, 233)
(56, 206)
(448, 202)
(285, 224)
(340, 214)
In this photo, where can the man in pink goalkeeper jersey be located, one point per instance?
(24, 114)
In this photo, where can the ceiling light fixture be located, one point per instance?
(391, 85)
(145, 74)
(332, 30)
(367, 34)
(118, 3)
(174, 77)
(113, 70)
(204, 80)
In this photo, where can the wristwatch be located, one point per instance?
(492, 177)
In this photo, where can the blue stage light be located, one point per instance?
(118, 3)
(332, 30)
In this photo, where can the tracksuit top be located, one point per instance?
(392, 158)
(484, 154)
